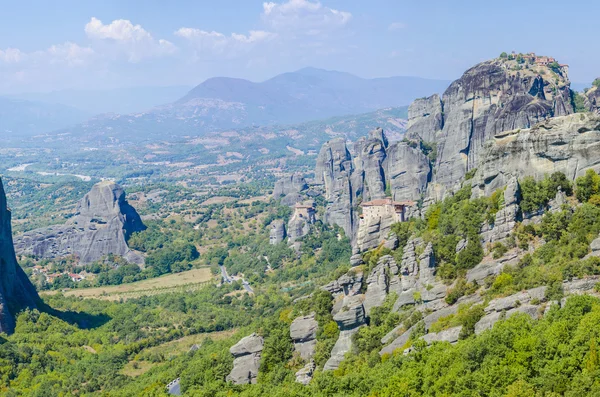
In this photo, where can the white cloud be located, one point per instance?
(396, 26)
(215, 44)
(303, 16)
(11, 55)
(69, 53)
(131, 39)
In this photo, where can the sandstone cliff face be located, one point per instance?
(488, 99)
(569, 144)
(101, 225)
(592, 100)
(425, 119)
(16, 291)
(334, 171)
(289, 189)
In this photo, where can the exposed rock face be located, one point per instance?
(16, 291)
(349, 320)
(289, 189)
(277, 232)
(567, 144)
(303, 332)
(247, 354)
(488, 99)
(382, 280)
(370, 174)
(334, 170)
(101, 225)
(592, 100)
(305, 375)
(425, 119)
(408, 170)
(521, 302)
(418, 283)
(508, 215)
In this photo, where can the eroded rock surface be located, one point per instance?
(303, 332)
(103, 222)
(16, 291)
(277, 232)
(246, 361)
(349, 320)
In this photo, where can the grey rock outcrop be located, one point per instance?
(521, 302)
(508, 216)
(376, 169)
(305, 374)
(299, 224)
(568, 144)
(408, 170)
(488, 99)
(382, 280)
(449, 335)
(277, 233)
(592, 99)
(246, 361)
(303, 332)
(425, 119)
(289, 189)
(103, 222)
(16, 291)
(334, 171)
(349, 320)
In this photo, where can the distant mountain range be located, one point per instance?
(20, 118)
(227, 103)
(119, 100)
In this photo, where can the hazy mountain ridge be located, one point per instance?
(20, 117)
(226, 103)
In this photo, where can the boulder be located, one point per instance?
(289, 184)
(246, 361)
(303, 332)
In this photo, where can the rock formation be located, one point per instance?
(277, 233)
(246, 361)
(303, 332)
(382, 280)
(592, 99)
(103, 222)
(490, 98)
(567, 144)
(289, 189)
(349, 320)
(376, 170)
(16, 291)
(507, 216)
(334, 170)
(425, 119)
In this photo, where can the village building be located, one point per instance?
(386, 208)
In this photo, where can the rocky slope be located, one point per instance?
(103, 222)
(16, 291)
(463, 130)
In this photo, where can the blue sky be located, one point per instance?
(104, 44)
